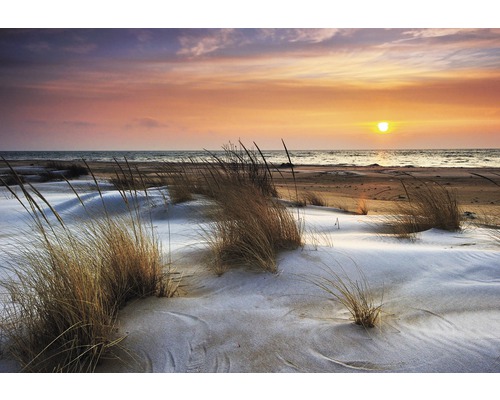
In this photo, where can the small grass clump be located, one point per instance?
(67, 287)
(130, 179)
(314, 199)
(362, 207)
(354, 294)
(429, 205)
(70, 170)
(182, 180)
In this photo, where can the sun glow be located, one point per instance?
(383, 126)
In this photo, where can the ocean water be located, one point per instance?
(386, 158)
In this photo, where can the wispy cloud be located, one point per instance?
(438, 32)
(146, 122)
(143, 35)
(311, 35)
(38, 47)
(81, 48)
(79, 124)
(212, 41)
(193, 44)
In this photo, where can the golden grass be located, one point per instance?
(249, 228)
(314, 199)
(182, 180)
(69, 284)
(353, 294)
(429, 205)
(362, 207)
(237, 167)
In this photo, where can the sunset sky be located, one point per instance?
(166, 89)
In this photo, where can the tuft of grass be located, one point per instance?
(429, 205)
(182, 181)
(71, 170)
(362, 207)
(240, 166)
(129, 179)
(353, 294)
(68, 286)
(237, 165)
(249, 229)
(250, 226)
(314, 199)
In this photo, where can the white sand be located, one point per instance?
(441, 298)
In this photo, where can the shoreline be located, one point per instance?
(342, 186)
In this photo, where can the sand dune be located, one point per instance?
(439, 293)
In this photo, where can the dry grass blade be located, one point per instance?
(293, 171)
(354, 294)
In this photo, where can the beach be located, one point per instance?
(438, 292)
(344, 186)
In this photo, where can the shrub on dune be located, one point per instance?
(70, 170)
(362, 207)
(59, 318)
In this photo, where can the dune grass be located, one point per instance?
(249, 225)
(354, 294)
(249, 228)
(314, 199)
(236, 167)
(71, 170)
(492, 222)
(70, 282)
(362, 207)
(429, 205)
(129, 178)
(183, 180)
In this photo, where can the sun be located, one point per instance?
(383, 126)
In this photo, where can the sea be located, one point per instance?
(479, 158)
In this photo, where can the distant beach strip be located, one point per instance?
(474, 158)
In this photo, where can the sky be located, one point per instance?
(193, 88)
